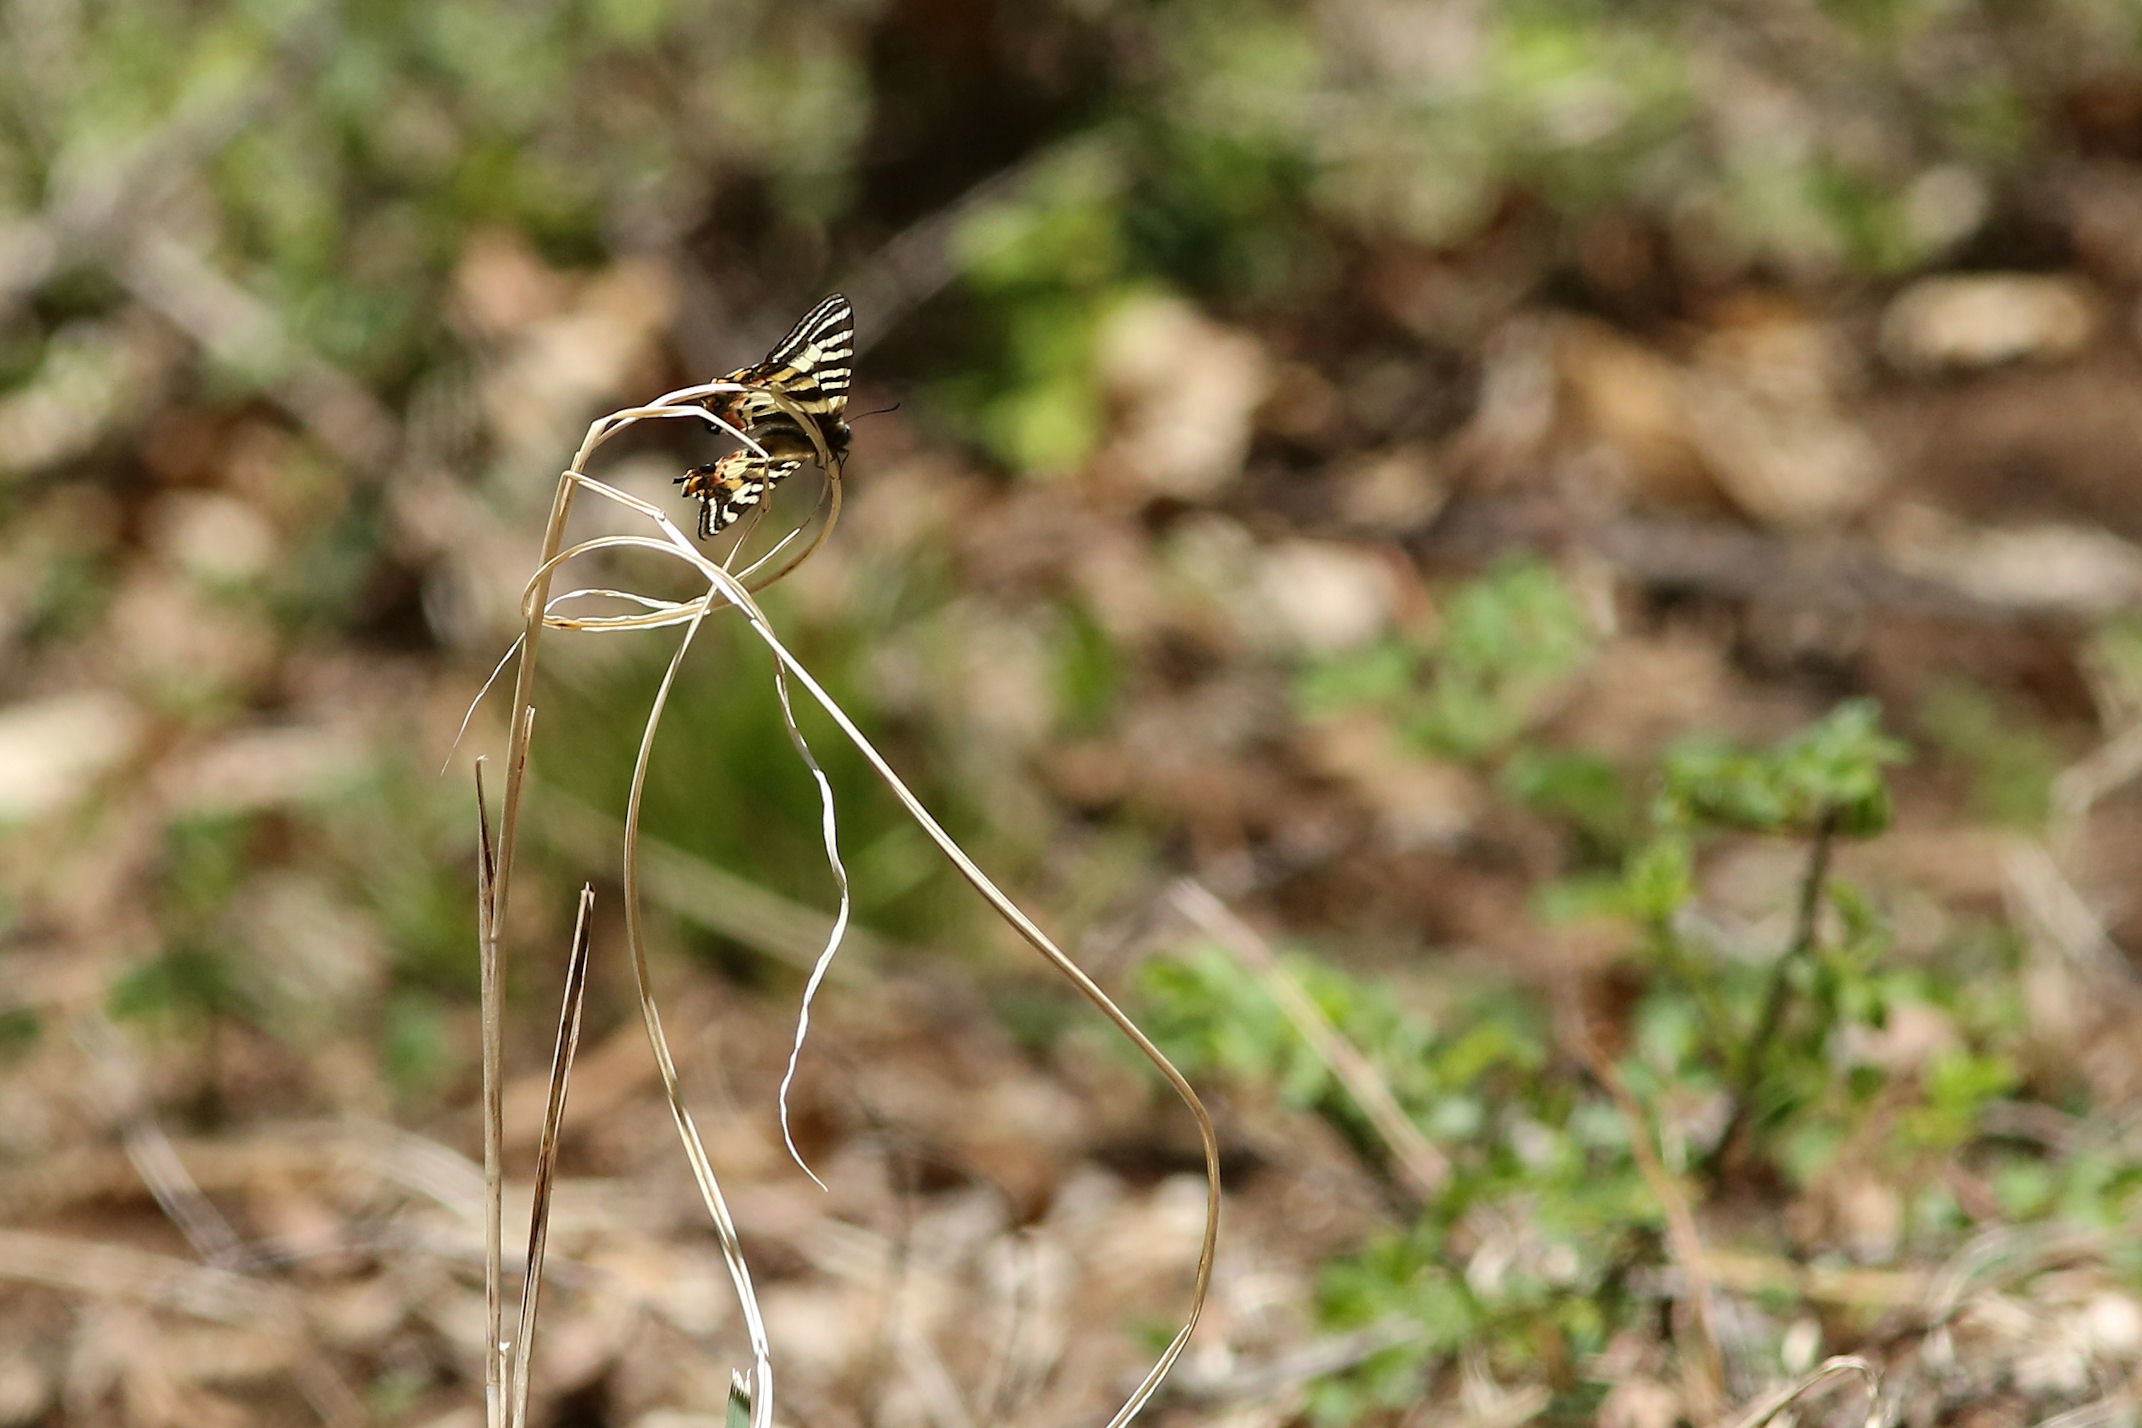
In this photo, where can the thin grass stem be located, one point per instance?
(494, 1118)
(694, 1150)
(538, 612)
(561, 1070)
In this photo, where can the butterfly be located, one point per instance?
(810, 368)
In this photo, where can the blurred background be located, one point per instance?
(1609, 534)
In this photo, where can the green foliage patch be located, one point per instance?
(1832, 1055)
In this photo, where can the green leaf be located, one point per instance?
(1830, 772)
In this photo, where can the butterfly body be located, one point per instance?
(809, 367)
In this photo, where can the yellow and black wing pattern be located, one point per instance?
(732, 487)
(811, 367)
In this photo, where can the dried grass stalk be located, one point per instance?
(1764, 1410)
(561, 1070)
(494, 1109)
(1424, 1168)
(540, 611)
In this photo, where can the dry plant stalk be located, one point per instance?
(561, 1070)
(491, 993)
(506, 1386)
(1424, 1168)
(1766, 1410)
(1702, 1371)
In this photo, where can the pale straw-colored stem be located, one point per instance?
(1424, 1168)
(497, 861)
(494, 1117)
(682, 548)
(537, 613)
(1766, 1409)
(561, 1071)
(694, 1149)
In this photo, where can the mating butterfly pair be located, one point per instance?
(810, 368)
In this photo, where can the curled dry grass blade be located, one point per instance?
(724, 588)
(1765, 1410)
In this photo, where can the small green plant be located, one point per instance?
(1506, 644)
(1822, 784)
(1827, 1055)
(194, 977)
(1210, 1017)
(1047, 264)
(1541, 1183)
(1580, 790)
(1829, 775)
(20, 1029)
(2008, 758)
(186, 983)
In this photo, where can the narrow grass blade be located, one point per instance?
(561, 1070)
(1767, 1408)
(494, 1111)
(735, 593)
(694, 1149)
(1424, 1168)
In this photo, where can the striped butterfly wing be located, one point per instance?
(732, 487)
(811, 364)
(811, 367)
